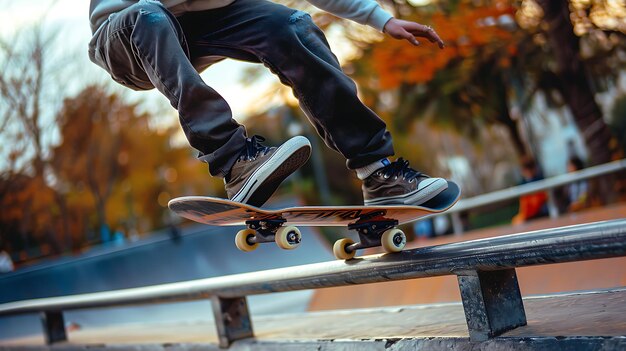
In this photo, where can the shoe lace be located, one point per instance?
(254, 148)
(400, 168)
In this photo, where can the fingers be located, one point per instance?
(427, 32)
(410, 31)
(434, 37)
(410, 38)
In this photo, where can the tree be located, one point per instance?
(114, 163)
(463, 87)
(572, 76)
(492, 60)
(25, 88)
(91, 144)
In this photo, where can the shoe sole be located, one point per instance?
(264, 181)
(414, 198)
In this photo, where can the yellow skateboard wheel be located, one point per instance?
(288, 238)
(339, 249)
(393, 240)
(241, 240)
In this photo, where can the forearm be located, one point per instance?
(367, 12)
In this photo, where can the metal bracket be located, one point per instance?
(232, 319)
(492, 302)
(53, 326)
(265, 229)
(370, 233)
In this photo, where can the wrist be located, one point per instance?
(384, 30)
(379, 18)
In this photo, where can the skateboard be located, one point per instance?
(375, 225)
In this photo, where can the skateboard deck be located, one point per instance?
(223, 212)
(369, 221)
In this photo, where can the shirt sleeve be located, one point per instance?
(367, 12)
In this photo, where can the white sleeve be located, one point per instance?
(366, 12)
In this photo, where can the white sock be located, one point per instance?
(366, 171)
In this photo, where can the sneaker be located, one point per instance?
(399, 184)
(260, 169)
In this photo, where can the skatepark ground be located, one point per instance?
(596, 316)
(589, 309)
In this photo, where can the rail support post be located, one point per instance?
(53, 326)
(492, 302)
(232, 318)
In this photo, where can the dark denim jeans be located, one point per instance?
(145, 46)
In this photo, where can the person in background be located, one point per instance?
(6, 263)
(531, 205)
(577, 193)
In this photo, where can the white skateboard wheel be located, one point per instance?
(241, 240)
(288, 238)
(339, 249)
(393, 240)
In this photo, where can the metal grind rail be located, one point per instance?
(485, 270)
(548, 185)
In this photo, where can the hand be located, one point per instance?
(400, 29)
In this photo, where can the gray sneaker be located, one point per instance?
(260, 169)
(399, 184)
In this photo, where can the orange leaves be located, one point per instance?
(397, 62)
(468, 32)
(28, 204)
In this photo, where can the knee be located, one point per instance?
(150, 10)
(301, 23)
(302, 18)
(304, 33)
(148, 6)
(293, 27)
(285, 21)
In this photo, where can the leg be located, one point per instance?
(143, 47)
(290, 44)
(296, 50)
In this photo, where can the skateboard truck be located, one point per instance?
(372, 233)
(265, 229)
(268, 230)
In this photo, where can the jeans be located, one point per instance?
(144, 46)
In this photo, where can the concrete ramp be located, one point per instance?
(593, 320)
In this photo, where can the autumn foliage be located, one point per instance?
(112, 171)
(467, 32)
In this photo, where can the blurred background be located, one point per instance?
(525, 90)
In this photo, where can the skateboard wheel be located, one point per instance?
(241, 240)
(339, 249)
(393, 240)
(288, 238)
